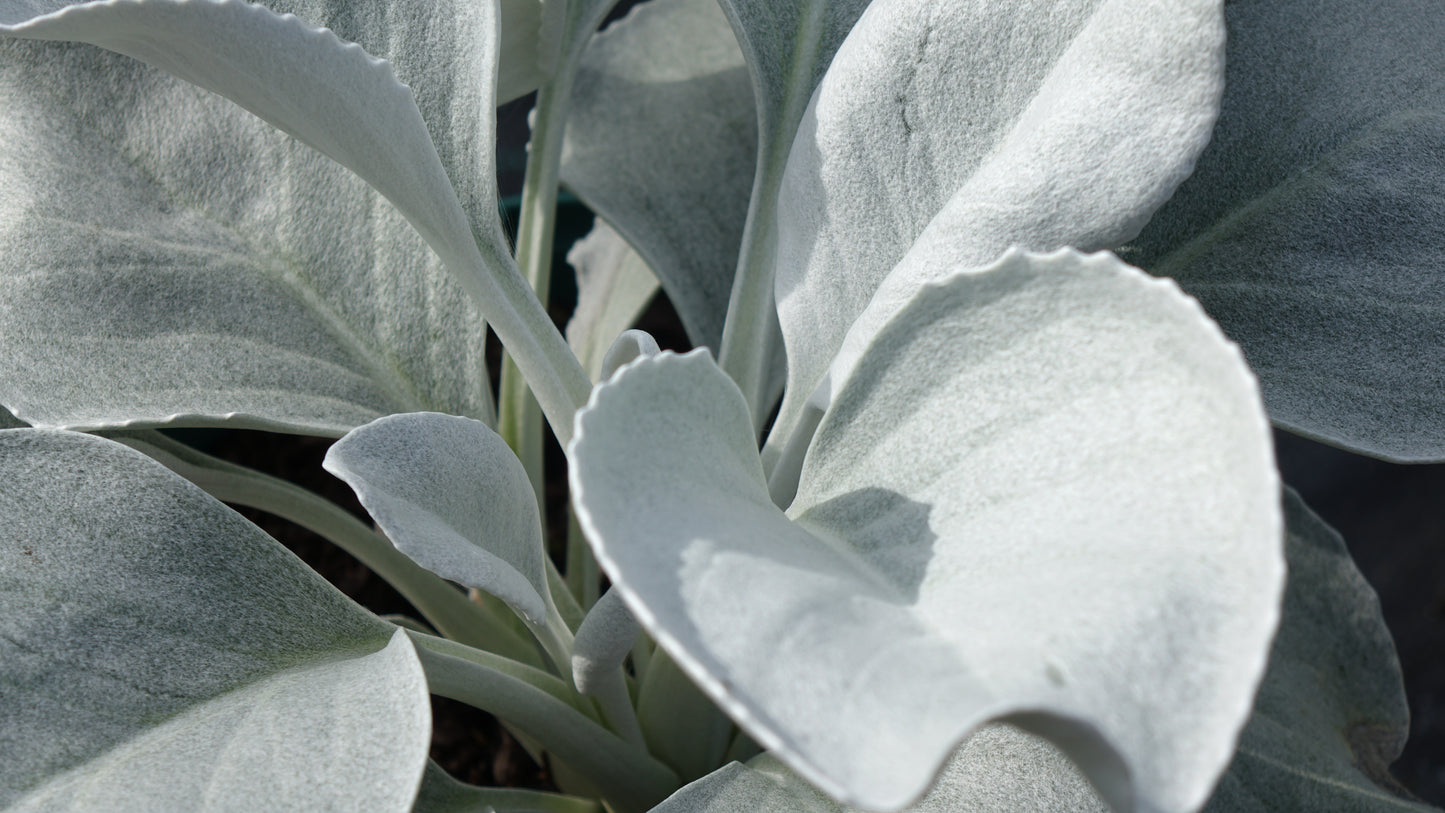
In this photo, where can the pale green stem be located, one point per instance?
(562, 596)
(443, 606)
(630, 779)
(519, 417)
(750, 332)
(583, 576)
(610, 692)
(556, 638)
(680, 723)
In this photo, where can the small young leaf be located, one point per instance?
(451, 495)
(603, 641)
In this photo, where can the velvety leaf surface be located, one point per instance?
(451, 495)
(631, 345)
(788, 45)
(1082, 118)
(174, 259)
(158, 652)
(603, 641)
(661, 140)
(524, 58)
(614, 285)
(1043, 494)
(1331, 713)
(1312, 228)
(1329, 718)
(302, 79)
(999, 769)
(742, 787)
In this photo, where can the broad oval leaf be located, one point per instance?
(1312, 228)
(175, 260)
(159, 652)
(450, 494)
(1329, 718)
(1331, 713)
(1082, 118)
(1044, 494)
(675, 181)
(302, 79)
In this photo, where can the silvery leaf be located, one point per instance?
(450, 494)
(631, 345)
(1082, 118)
(603, 641)
(1329, 718)
(1331, 714)
(787, 45)
(161, 653)
(304, 80)
(1000, 769)
(175, 260)
(1312, 228)
(675, 182)
(525, 60)
(614, 285)
(1043, 495)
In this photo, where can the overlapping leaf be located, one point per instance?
(159, 652)
(1331, 714)
(1043, 493)
(1312, 228)
(950, 131)
(675, 181)
(145, 216)
(451, 495)
(1329, 719)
